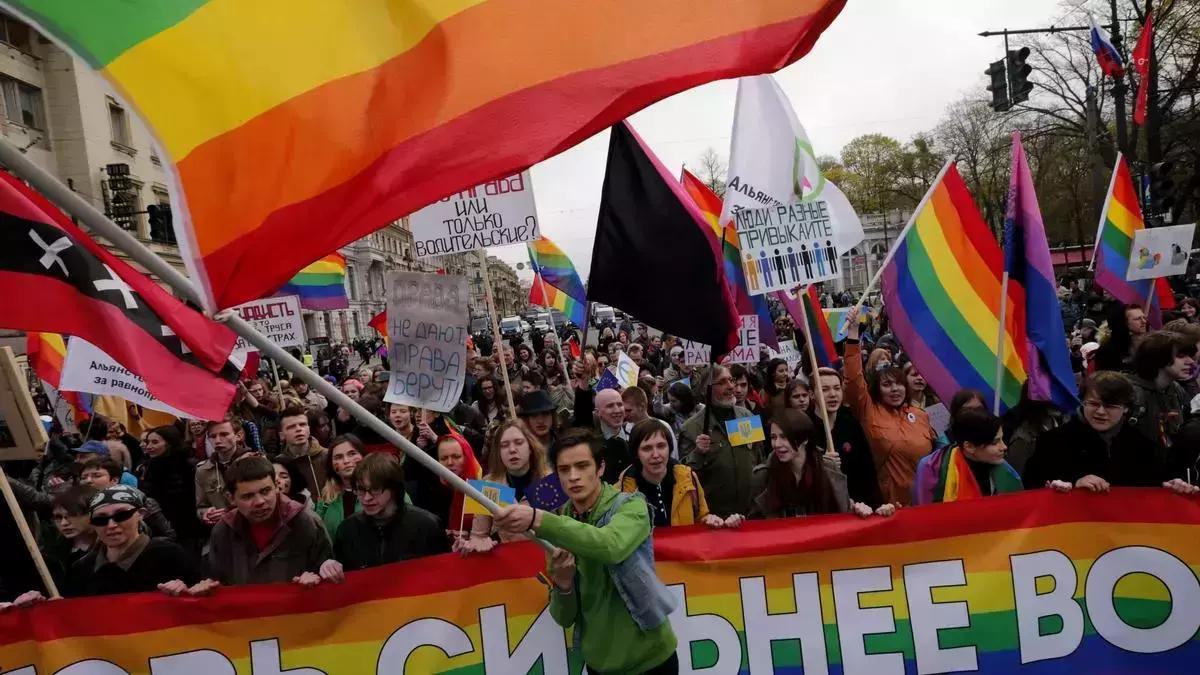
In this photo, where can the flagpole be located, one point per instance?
(35, 554)
(496, 336)
(1000, 343)
(811, 325)
(73, 204)
(1112, 182)
(900, 237)
(537, 274)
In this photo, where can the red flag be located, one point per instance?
(1141, 64)
(379, 323)
(1164, 294)
(573, 346)
(54, 278)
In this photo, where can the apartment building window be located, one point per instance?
(23, 103)
(15, 33)
(118, 121)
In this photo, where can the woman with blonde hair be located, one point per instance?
(516, 459)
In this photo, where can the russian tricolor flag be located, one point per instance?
(1111, 63)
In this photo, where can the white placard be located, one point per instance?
(746, 351)
(496, 213)
(280, 319)
(787, 351)
(89, 369)
(939, 417)
(787, 246)
(1160, 252)
(427, 334)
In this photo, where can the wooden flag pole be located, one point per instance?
(1000, 344)
(810, 326)
(74, 205)
(27, 536)
(499, 339)
(862, 299)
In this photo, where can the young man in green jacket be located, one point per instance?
(604, 583)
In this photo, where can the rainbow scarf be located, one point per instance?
(945, 476)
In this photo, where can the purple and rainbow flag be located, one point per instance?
(812, 321)
(560, 287)
(322, 285)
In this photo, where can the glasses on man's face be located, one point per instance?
(118, 517)
(1111, 408)
(374, 492)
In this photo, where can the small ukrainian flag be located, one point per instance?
(497, 492)
(745, 430)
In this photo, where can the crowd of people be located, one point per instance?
(288, 487)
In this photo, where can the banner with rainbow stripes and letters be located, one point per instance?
(1032, 582)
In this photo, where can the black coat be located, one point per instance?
(1075, 450)
(852, 447)
(171, 481)
(363, 541)
(160, 562)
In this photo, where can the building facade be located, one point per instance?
(506, 291)
(860, 263)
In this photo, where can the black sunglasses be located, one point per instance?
(118, 517)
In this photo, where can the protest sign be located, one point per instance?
(88, 369)
(939, 417)
(746, 351)
(788, 351)
(967, 586)
(427, 334)
(496, 213)
(279, 319)
(786, 246)
(1160, 251)
(22, 435)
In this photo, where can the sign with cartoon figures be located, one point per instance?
(1160, 252)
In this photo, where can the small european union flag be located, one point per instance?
(547, 494)
(745, 430)
(608, 380)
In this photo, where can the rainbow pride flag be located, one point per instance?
(321, 285)
(1120, 218)
(299, 126)
(556, 284)
(942, 293)
(1031, 582)
(710, 206)
(808, 316)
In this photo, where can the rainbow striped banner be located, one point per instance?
(1034, 582)
(942, 293)
(1121, 217)
(556, 284)
(322, 285)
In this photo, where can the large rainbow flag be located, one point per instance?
(556, 284)
(710, 206)
(1120, 218)
(942, 293)
(321, 285)
(1032, 582)
(298, 126)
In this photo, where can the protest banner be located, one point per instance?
(787, 246)
(788, 351)
(280, 319)
(427, 333)
(746, 351)
(1028, 582)
(88, 369)
(1160, 251)
(497, 213)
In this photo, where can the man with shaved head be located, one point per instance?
(610, 414)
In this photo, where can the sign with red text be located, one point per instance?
(497, 213)
(746, 351)
(278, 318)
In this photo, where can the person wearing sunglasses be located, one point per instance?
(386, 530)
(126, 560)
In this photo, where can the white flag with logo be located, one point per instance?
(772, 163)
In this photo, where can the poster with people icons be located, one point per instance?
(787, 245)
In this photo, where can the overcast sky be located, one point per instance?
(883, 66)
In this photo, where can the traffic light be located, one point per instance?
(1018, 75)
(1162, 188)
(159, 216)
(998, 87)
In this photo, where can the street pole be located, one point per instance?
(74, 205)
(1119, 87)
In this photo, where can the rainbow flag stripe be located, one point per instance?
(46, 353)
(1033, 582)
(298, 126)
(321, 285)
(817, 329)
(556, 284)
(942, 292)
(1122, 217)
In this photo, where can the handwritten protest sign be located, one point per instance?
(787, 245)
(280, 319)
(427, 333)
(496, 213)
(788, 351)
(89, 369)
(1160, 252)
(746, 351)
